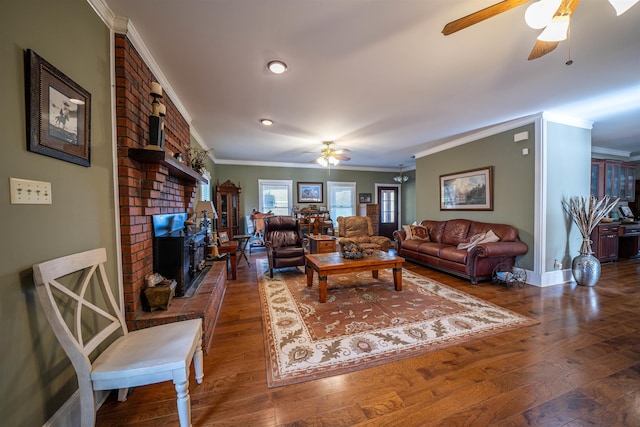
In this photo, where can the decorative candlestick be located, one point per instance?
(156, 123)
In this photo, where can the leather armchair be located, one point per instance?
(284, 241)
(358, 229)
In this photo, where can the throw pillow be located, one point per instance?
(407, 232)
(419, 232)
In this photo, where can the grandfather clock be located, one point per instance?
(228, 207)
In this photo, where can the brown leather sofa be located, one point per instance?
(359, 230)
(284, 241)
(439, 250)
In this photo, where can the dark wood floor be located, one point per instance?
(579, 367)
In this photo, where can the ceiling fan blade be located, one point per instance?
(343, 158)
(481, 15)
(541, 48)
(344, 150)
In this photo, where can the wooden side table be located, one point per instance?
(230, 248)
(321, 244)
(242, 240)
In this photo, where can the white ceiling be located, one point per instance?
(378, 77)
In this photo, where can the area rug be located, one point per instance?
(365, 322)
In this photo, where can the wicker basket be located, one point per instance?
(351, 250)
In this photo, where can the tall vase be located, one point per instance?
(585, 267)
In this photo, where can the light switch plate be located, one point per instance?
(28, 192)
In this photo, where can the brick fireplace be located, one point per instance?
(146, 188)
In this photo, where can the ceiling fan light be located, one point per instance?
(540, 13)
(557, 30)
(322, 161)
(621, 6)
(333, 161)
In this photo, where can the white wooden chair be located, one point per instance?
(79, 304)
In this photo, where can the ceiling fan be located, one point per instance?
(552, 15)
(330, 156)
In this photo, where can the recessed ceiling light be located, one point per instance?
(277, 66)
(266, 122)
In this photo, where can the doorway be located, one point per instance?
(388, 197)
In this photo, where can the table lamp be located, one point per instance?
(208, 211)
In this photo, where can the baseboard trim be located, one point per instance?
(68, 415)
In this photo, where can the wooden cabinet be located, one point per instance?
(228, 207)
(597, 178)
(605, 242)
(373, 212)
(613, 178)
(322, 244)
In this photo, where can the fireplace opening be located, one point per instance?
(179, 251)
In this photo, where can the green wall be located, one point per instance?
(36, 375)
(513, 179)
(247, 177)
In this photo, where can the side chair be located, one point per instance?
(79, 304)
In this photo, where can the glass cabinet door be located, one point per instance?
(612, 188)
(224, 206)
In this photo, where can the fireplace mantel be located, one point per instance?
(177, 169)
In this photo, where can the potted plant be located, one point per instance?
(586, 213)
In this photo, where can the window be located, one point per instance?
(341, 199)
(204, 190)
(275, 196)
(388, 205)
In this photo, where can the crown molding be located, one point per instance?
(610, 152)
(122, 25)
(310, 165)
(479, 134)
(103, 11)
(507, 126)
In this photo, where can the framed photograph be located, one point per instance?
(309, 192)
(626, 211)
(364, 198)
(223, 236)
(59, 113)
(470, 190)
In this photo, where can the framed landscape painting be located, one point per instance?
(59, 116)
(309, 192)
(467, 190)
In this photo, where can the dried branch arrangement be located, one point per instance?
(197, 158)
(586, 214)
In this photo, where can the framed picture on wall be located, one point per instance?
(309, 192)
(467, 190)
(364, 198)
(58, 123)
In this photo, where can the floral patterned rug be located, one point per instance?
(365, 322)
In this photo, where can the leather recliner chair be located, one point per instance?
(358, 230)
(284, 241)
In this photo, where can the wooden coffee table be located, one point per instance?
(334, 263)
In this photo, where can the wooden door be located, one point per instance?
(389, 218)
